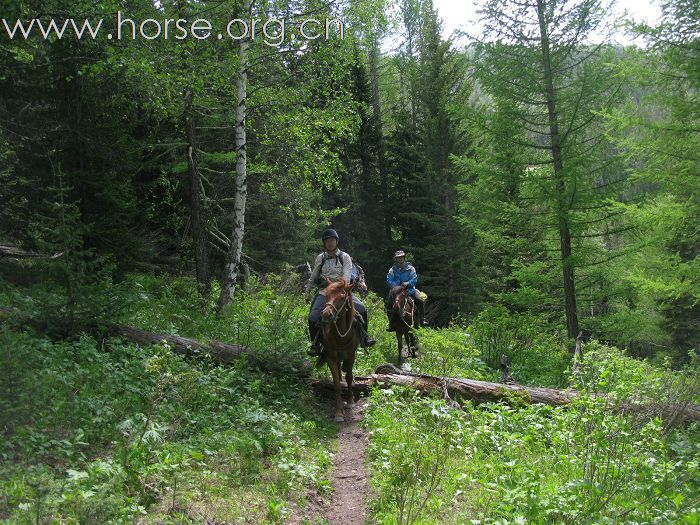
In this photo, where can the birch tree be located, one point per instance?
(233, 259)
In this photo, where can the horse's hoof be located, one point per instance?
(339, 419)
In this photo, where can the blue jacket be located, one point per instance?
(402, 274)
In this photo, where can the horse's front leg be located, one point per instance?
(335, 372)
(399, 343)
(413, 343)
(349, 379)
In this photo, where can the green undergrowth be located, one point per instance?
(112, 433)
(99, 430)
(588, 462)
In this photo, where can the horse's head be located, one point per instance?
(398, 295)
(338, 300)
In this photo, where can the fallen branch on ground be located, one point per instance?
(217, 350)
(459, 389)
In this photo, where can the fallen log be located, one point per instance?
(8, 250)
(217, 350)
(456, 388)
(459, 389)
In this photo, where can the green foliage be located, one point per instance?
(450, 352)
(106, 432)
(657, 130)
(422, 181)
(527, 464)
(607, 370)
(409, 451)
(550, 218)
(535, 356)
(266, 317)
(437, 151)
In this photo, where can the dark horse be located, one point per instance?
(403, 318)
(340, 339)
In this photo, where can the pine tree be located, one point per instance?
(423, 178)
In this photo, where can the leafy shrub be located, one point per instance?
(107, 432)
(532, 464)
(584, 463)
(535, 356)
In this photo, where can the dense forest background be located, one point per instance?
(158, 197)
(539, 168)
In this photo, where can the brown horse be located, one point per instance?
(403, 318)
(340, 339)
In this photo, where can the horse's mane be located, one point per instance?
(395, 290)
(337, 287)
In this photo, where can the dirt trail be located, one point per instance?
(350, 480)
(347, 505)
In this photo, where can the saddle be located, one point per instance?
(358, 325)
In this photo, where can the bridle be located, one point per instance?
(336, 314)
(402, 308)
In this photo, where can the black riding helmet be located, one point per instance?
(327, 234)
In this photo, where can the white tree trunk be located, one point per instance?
(233, 259)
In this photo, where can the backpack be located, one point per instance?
(339, 255)
(354, 275)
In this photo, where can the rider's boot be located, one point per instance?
(367, 340)
(314, 334)
(421, 313)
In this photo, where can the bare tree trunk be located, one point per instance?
(410, 16)
(578, 354)
(197, 212)
(558, 165)
(18, 253)
(233, 259)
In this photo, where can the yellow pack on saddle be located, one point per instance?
(421, 295)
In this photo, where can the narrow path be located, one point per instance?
(350, 482)
(347, 505)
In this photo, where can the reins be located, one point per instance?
(402, 309)
(337, 314)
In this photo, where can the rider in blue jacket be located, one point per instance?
(402, 273)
